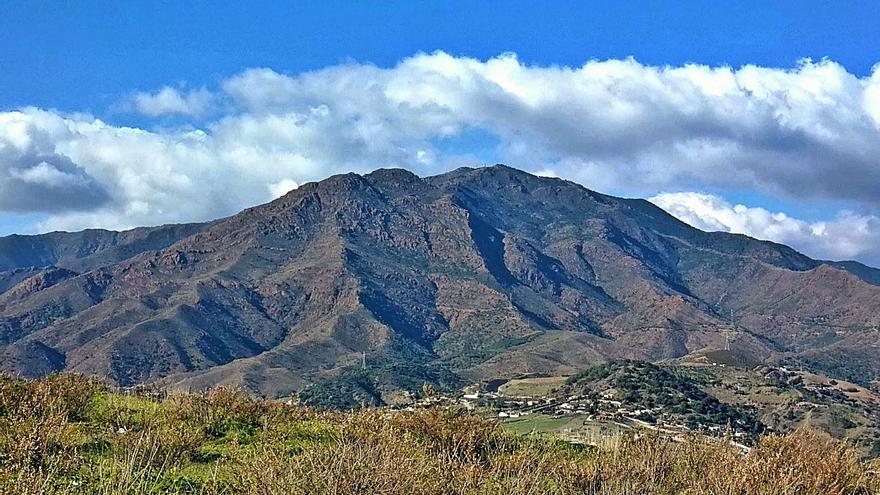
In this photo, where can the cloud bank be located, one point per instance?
(810, 133)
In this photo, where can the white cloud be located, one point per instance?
(36, 179)
(282, 187)
(45, 173)
(808, 133)
(788, 132)
(261, 88)
(169, 101)
(848, 236)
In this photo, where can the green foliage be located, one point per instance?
(411, 377)
(465, 354)
(353, 389)
(647, 385)
(358, 388)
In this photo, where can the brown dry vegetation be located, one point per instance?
(65, 434)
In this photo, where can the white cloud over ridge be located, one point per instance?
(809, 133)
(848, 236)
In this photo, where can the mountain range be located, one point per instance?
(473, 275)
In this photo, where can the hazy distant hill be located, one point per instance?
(474, 274)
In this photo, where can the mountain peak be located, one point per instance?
(399, 174)
(477, 273)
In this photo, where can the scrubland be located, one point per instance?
(70, 435)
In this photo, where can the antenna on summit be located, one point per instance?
(363, 360)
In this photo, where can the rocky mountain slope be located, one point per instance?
(474, 274)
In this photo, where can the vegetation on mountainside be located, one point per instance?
(65, 435)
(662, 390)
(352, 389)
(357, 388)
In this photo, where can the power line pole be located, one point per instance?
(363, 360)
(728, 332)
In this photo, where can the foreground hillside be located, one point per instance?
(473, 275)
(67, 435)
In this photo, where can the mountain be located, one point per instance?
(471, 275)
(87, 249)
(866, 273)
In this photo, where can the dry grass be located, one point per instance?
(69, 435)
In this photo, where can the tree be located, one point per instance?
(427, 390)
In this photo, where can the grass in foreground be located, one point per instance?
(65, 434)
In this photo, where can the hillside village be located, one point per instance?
(591, 409)
(555, 406)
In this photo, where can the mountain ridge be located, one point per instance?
(483, 272)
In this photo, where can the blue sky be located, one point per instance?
(81, 65)
(80, 56)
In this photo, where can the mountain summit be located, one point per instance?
(471, 275)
